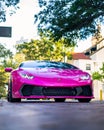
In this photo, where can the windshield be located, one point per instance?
(46, 64)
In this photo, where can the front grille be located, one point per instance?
(28, 90)
(58, 91)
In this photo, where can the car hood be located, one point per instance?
(50, 73)
(56, 77)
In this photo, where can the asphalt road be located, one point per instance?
(48, 115)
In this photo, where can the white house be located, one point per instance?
(96, 53)
(91, 60)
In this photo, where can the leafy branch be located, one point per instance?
(99, 75)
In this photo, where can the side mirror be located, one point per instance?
(8, 69)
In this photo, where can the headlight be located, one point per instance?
(85, 77)
(27, 76)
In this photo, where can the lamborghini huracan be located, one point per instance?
(49, 79)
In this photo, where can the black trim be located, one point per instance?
(29, 90)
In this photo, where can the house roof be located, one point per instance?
(77, 56)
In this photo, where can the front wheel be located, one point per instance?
(9, 96)
(84, 99)
(59, 99)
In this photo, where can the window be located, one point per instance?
(88, 67)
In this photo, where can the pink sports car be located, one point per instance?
(48, 79)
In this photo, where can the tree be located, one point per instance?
(18, 58)
(46, 48)
(2, 82)
(11, 5)
(70, 18)
(5, 61)
(99, 75)
(5, 55)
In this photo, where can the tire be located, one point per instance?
(9, 96)
(84, 100)
(59, 99)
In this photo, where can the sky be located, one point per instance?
(23, 26)
(22, 23)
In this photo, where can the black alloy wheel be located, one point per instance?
(59, 99)
(84, 100)
(9, 96)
